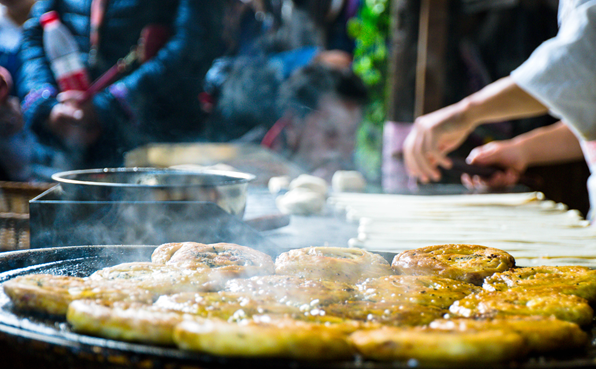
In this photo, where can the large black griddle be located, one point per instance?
(34, 341)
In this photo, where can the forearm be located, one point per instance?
(499, 101)
(548, 145)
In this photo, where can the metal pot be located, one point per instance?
(227, 189)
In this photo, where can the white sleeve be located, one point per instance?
(561, 73)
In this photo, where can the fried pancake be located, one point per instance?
(525, 302)
(423, 290)
(433, 347)
(226, 257)
(223, 305)
(320, 316)
(542, 334)
(348, 265)
(155, 323)
(163, 279)
(284, 338)
(406, 314)
(467, 263)
(568, 280)
(51, 294)
(124, 321)
(292, 290)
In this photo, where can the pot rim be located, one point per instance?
(231, 177)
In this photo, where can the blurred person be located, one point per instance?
(558, 78)
(241, 90)
(154, 101)
(321, 110)
(331, 18)
(289, 93)
(16, 144)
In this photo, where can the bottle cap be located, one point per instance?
(49, 17)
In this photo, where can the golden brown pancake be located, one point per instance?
(347, 265)
(525, 302)
(568, 280)
(51, 294)
(124, 321)
(223, 305)
(435, 347)
(292, 290)
(270, 338)
(467, 263)
(404, 314)
(543, 334)
(164, 279)
(423, 290)
(226, 257)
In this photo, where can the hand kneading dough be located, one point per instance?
(277, 184)
(301, 202)
(309, 182)
(348, 181)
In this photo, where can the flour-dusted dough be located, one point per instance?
(306, 181)
(301, 201)
(277, 184)
(348, 181)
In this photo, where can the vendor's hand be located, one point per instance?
(503, 154)
(11, 119)
(432, 137)
(76, 99)
(74, 121)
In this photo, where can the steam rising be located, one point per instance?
(56, 223)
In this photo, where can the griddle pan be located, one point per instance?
(35, 341)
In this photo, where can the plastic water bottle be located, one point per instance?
(63, 54)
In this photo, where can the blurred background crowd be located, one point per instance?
(308, 79)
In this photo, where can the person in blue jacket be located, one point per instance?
(17, 145)
(155, 101)
(242, 89)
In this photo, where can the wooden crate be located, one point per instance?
(14, 213)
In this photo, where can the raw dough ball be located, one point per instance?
(309, 182)
(276, 184)
(301, 201)
(348, 181)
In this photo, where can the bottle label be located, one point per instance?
(70, 73)
(77, 81)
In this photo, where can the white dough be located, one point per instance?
(276, 184)
(300, 201)
(348, 181)
(310, 182)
